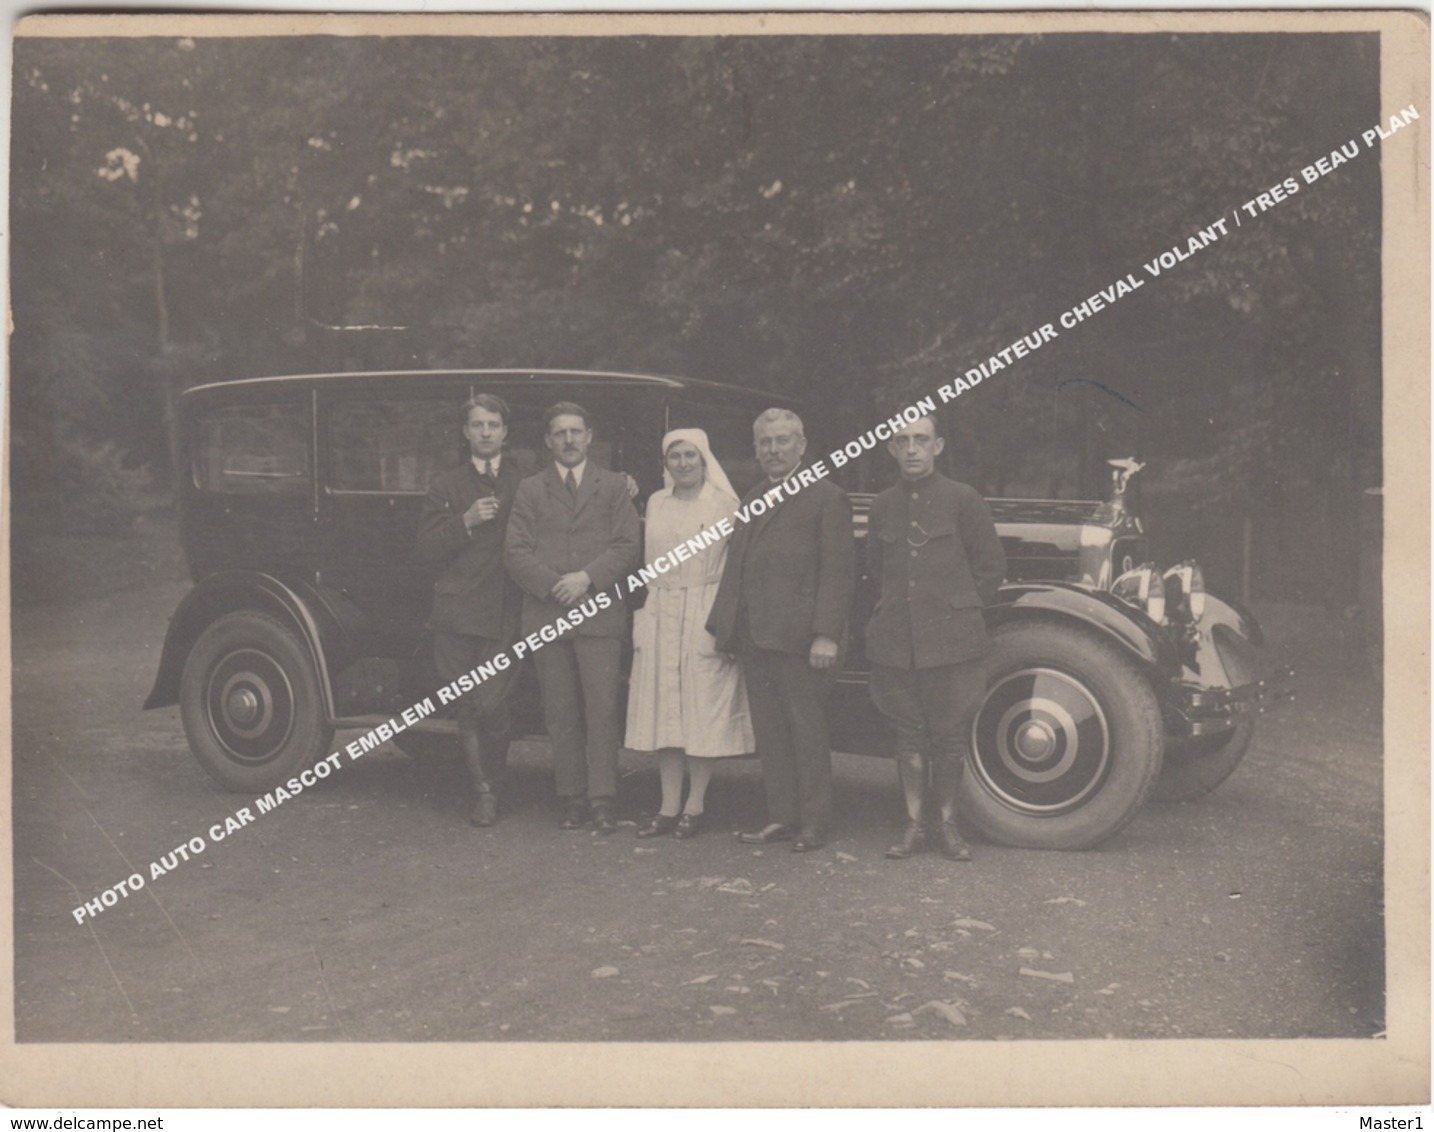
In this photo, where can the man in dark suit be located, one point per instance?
(933, 553)
(475, 604)
(782, 607)
(573, 533)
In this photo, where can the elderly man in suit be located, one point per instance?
(932, 551)
(475, 604)
(782, 607)
(573, 533)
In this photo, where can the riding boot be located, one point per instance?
(485, 805)
(495, 760)
(947, 782)
(911, 770)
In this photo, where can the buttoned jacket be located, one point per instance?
(935, 558)
(473, 594)
(790, 573)
(553, 532)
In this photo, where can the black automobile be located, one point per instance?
(1111, 679)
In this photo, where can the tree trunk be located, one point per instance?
(168, 397)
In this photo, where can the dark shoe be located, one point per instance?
(485, 810)
(807, 840)
(575, 814)
(953, 847)
(659, 825)
(688, 826)
(603, 821)
(913, 841)
(766, 835)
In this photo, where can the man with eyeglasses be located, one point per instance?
(933, 553)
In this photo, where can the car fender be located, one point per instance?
(1130, 629)
(1227, 632)
(311, 612)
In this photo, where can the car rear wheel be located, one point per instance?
(1067, 744)
(249, 699)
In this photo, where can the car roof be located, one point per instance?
(603, 378)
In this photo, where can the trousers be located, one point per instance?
(483, 712)
(788, 701)
(580, 678)
(933, 709)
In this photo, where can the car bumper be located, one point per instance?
(1211, 711)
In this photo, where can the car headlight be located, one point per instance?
(1143, 588)
(1186, 584)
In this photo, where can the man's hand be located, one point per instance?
(824, 652)
(482, 511)
(632, 488)
(571, 588)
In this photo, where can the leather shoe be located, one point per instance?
(485, 810)
(575, 814)
(913, 841)
(603, 820)
(766, 835)
(688, 827)
(953, 846)
(807, 840)
(659, 825)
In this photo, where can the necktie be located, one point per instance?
(488, 468)
(572, 483)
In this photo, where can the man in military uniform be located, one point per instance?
(932, 550)
(475, 604)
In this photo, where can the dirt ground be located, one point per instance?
(369, 910)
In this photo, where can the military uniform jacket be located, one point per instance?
(552, 533)
(790, 573)
(932, 551)
(473, 594)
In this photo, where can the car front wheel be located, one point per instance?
(1067, 744)
(250, 702)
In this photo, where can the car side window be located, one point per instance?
(391, 445)
(397, 445)
(254, 449)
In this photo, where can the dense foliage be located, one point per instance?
(850, 219)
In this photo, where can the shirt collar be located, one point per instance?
(577, 472)
(494, 463)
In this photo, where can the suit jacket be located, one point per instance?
(932, 549)
(790, 573)
(473, 594)
(551, 534)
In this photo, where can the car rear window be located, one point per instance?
(254, 449)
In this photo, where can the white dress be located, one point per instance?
(683, 692)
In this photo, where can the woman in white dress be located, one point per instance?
(686, 701)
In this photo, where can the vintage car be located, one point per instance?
(1111, 679)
